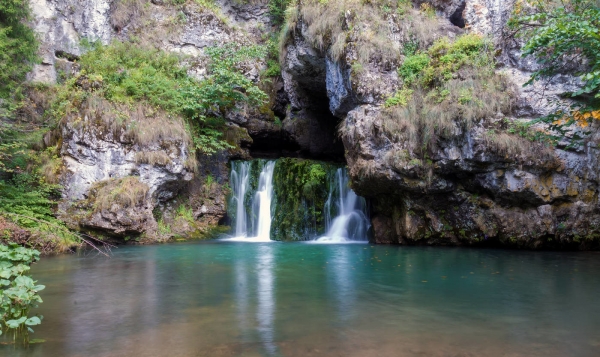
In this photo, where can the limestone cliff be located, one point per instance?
(473, 183)
(470, 187)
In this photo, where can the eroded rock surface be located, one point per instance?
(470, 192)
(467, 191)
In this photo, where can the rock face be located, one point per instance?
(476, 197)
(308, 82)
(61, 25)
(469, 192)
(119, 207)
(94, 149)
(91, 155)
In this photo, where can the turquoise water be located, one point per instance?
(296, 299)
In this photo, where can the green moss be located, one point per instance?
(443, 59)
(301, 190)
(401, 98)
(203, 233)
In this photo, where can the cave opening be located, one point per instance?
(457, 18)
(66, 56)
(310, 131)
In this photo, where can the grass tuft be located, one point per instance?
(126, 192)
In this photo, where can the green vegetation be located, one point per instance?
(185, 213)
(273, 67)
(28, 177)
(18, 48)
(444, 58)
(277, 10)
(301, 188)
(164, 229)
(412, 67)
(123, 76)
(401, 98)
(18, 293)
(449, 84)
(560, 34)
(447, 88)
(27, 212)
(563, 36)
(125, 89)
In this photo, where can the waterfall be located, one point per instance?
(261, 203)
(311, 200)
(239, 181)
(351, 223)
(264, 196)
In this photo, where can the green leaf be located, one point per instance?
(32, 321)
(15, 323)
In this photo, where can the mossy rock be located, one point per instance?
(301, 188)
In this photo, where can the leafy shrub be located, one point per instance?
(277, 10)
(18, 294)
(563, 37)
(133, 75)
(18, 47)
(401, 98)
(560, 35)
(28, 201)
(412, 67)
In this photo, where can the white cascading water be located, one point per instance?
(240, 181)
(263, 198)
(351, 223)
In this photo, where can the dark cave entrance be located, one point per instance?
(457, 18)
(308, 132)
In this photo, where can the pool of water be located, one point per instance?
(293, 299)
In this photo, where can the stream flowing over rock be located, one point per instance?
(469, 193)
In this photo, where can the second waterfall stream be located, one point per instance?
(351, 222)
(338, 216)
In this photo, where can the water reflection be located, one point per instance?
(265, 313)
(227, 299)
(242, 295)
(255, 301)
(341, 283)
